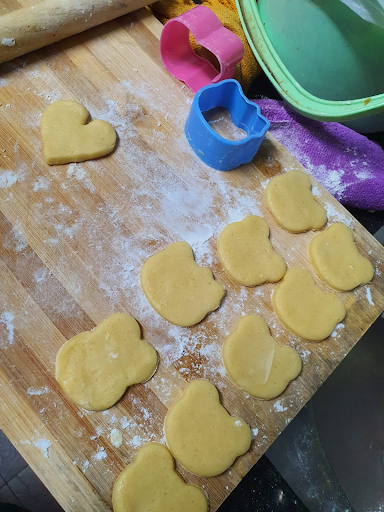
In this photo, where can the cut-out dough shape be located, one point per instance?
(247, 254)
(95, 368)
(200, 433)
(151, 483)
(177, 288)
(290, 200)
(256, 362)
(304, 308)
(336, 259)
(67, 138)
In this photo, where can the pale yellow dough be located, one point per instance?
(256, 362)
(95, 367)
(304, 308)
(67, 138)
(151, 484)
(177, 288)
(200, 433)
(247, 254)
(336, 259)
(290, 200)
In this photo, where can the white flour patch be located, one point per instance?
(44, 445)
(278, 407)
(8, 41)
(334, 215)
(304, 353)
(254, 432)
(37, 391)
(7, 319)
(85, 466)
(335, 332)
(136, 442)
(41, 183)
(238, 423)
(369, 296)
(101, 454)
(8, 178)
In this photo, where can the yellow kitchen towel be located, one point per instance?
(226, 11)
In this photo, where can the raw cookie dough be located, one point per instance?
(200, 433)
(95, 367)
(151, 483)
(247, 254)
(337, 260)
(67, 138)
(256, 362)
(304, 308)
(290, 200)
(177, 288)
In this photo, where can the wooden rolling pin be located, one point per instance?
(30, 28)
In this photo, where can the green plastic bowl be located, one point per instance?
(322, 58)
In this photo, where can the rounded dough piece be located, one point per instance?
(304, 308)
(200, 433)
(95, 368)
(67, 138)
(290, 200)
(247, 254)
(177, 288)
(336, 259)
(151, 483)
(256, 362)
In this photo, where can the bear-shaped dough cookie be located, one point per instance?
(67, 138)
(200, 433)
(256, 362)
(304, 308)
(177, 288)
(95, 368)
(290, 200)
(336, 259)
(247, 254)
(151, 483)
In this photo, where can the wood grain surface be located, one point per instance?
(73, 239)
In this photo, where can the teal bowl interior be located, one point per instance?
(331, 52)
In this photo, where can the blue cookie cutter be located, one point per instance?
(216, 151)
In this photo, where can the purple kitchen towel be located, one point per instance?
(347, 164)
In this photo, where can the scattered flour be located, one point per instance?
(41, 183)
(254, 432)
(238, 423)
(335, 333)
(336, 216)
(369, 296)
(44, 445)
(8, 41)
(37, 391)
(7, 319)
(101, 454)
(8, 178)
(278, 407)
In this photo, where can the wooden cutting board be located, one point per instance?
(73, 239)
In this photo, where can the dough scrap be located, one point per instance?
(256, 362)
(304, 308)
(336, 259)
(290, 200)
(200, 433)
(247, 254)
(94, 368)
(151, 483)
(67, 138)
(177, 288)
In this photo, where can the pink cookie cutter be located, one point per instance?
(183, 63)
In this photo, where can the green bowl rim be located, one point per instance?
(288, 87)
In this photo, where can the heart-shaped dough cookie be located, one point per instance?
(95, 367)
(304, 308)
(247, 254)
(200, 433)
(177, 288)
(67, 138)
(256, 362)
(290, 200)
(151, 483)
(336, 259)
